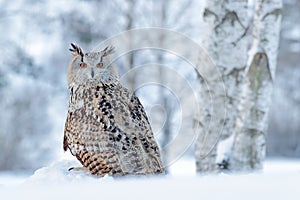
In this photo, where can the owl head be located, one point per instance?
(90, 66)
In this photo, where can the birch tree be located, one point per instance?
(249, 146)
(248, 81)
(225, 40)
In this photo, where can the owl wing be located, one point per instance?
(138, 150)
(109, 132)
(85, 135)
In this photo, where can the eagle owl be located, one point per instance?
(107, 128)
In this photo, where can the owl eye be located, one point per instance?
(83, 65)
(100, 64)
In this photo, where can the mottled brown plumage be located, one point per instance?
(107, 128)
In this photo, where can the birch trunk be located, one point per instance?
(249, 146)
(225, 40)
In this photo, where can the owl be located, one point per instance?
(107, 128)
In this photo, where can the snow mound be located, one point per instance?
(279, 180)
(58, 172)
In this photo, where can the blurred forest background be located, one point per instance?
(34, 41)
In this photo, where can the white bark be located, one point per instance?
(266, 31)
(249, 147)
(225, 40)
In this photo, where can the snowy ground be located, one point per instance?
(279, 180)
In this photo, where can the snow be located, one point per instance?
(224, 149)
(280, 179)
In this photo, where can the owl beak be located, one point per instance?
(92, 73)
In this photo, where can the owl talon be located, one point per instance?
(77, 169)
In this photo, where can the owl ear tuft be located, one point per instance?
(76, 50)
(108, 50)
